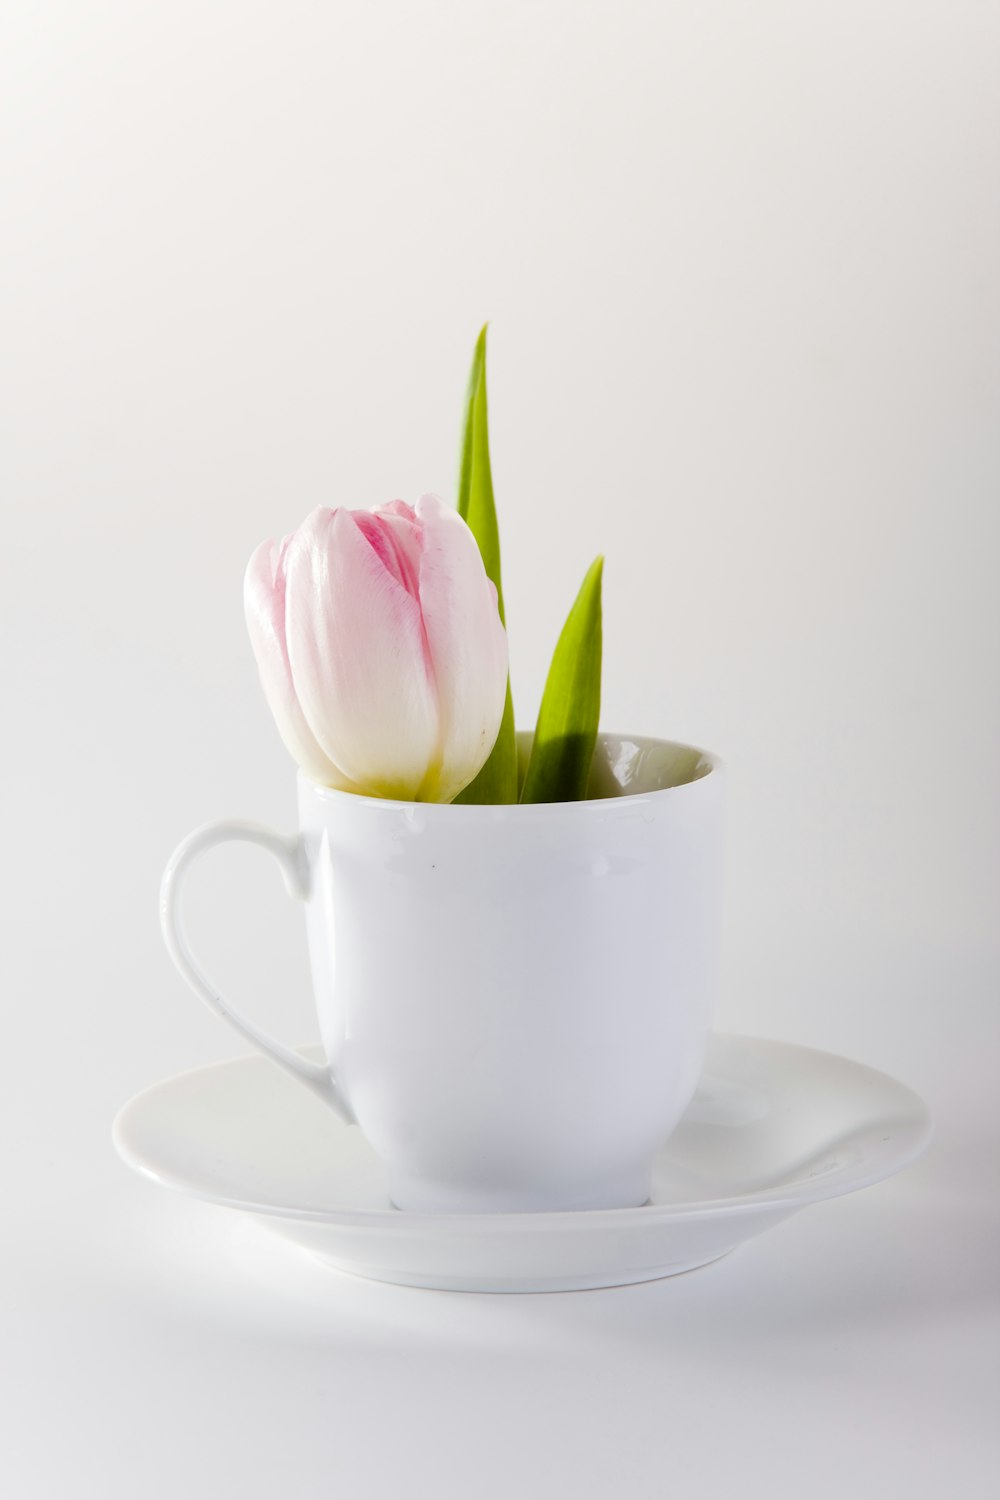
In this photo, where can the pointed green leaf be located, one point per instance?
(566, 732)
(497, 781)
(475, 476)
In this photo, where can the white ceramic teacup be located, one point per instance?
(514, 1000)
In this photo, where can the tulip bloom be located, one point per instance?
(380, 649)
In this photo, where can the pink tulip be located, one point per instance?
(380, 649)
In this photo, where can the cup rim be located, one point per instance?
(714, 766)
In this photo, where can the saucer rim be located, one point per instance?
(912, 1113)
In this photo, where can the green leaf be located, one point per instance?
(475, 476)
(566, 733)
(497, 781)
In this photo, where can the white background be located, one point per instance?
(740, 262)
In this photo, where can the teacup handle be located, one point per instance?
(290, 854)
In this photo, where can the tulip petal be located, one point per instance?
(358, 657)
(264, 603)
(394, 532)
(467, 643)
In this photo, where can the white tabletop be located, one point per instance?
(160, 1345)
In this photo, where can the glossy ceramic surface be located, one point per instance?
(514, 1001)
(771, 1129)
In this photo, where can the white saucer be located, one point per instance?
(772, 1128)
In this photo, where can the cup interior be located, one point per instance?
(625, 765)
